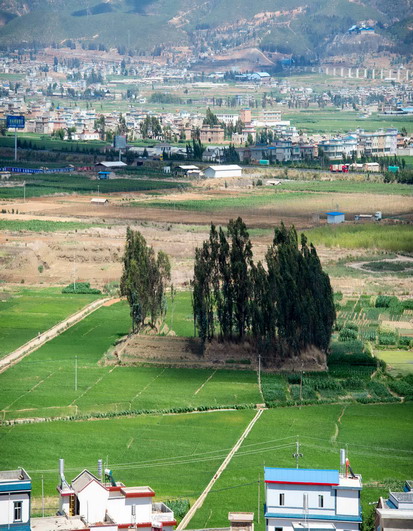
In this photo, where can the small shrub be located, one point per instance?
(347, 334)
(384, 301)
(81, 288)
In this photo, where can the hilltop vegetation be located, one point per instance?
(134, 24)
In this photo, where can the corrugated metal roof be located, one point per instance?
(226, 167)
(335, 213)
(297, 475)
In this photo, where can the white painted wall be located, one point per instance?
(7, 507)
(93, 502)
(348, 502)
(120, 509)
(294, 499)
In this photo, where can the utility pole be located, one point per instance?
(75, 373)
(297, 453)
(42, 496)
(74, 271)
(259, 510)
(24, 192)
(15, 143)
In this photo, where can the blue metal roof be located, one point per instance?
(300, 476)
(335, 213)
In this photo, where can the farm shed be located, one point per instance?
(99, 201)
(230, 170)
(110, 165)
(372, 166)
(189, 170)
(102, 175)
(335, 217)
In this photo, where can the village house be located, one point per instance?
(396, 512)
(101, 502)
(311, 499)
(15, 495)
(211, 135)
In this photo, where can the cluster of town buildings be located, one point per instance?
(39, 86)
(295, 500)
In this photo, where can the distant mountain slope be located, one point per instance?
(300, 27)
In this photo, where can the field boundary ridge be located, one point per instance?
(35, 343)
(189, 515)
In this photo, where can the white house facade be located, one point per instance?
(311, 500)
(101, 503)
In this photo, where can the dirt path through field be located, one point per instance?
(32, 345)
(189, 515)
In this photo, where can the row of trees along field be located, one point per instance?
(284, 306)
(144, 279)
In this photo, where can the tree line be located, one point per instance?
(143, 281)
(283, 305)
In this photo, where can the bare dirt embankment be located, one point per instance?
(189, 352)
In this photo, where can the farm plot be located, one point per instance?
(161, 451)
(26, 312)
(47, 184)
(364, 236)
(379, 441)
(64, 378)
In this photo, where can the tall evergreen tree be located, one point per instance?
(144, 279)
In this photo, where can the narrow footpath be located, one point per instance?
(189, 515)
(35, 343)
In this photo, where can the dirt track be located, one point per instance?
(29, 347)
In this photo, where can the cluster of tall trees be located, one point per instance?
(284, 305)
(144, 279)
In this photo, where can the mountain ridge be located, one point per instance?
(298, 27)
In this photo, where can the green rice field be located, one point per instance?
(26, 312)
(398, 361)
(379, 443)
(161, 451)
(47, 377)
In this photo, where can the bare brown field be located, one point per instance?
(95, 254)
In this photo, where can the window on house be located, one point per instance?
(282, 499)
(18, 511)
(320, 500)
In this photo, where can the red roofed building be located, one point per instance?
(109, 505)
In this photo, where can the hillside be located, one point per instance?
(287, 26)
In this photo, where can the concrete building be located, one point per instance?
(229, 170)
(211, 135)
(395, 513)
(311, 500)
(100, 503)
(335, 217)
(15, 494)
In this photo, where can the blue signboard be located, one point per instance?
(16, 122)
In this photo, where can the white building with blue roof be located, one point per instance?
(311, 500)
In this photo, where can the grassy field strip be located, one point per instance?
(379, 443)
(43, 338)
(91, 386)
(29, 391)
(25, 312)
(174, 454)
(188, 517)
(147, 386)
(101, 389)
(206, 381)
